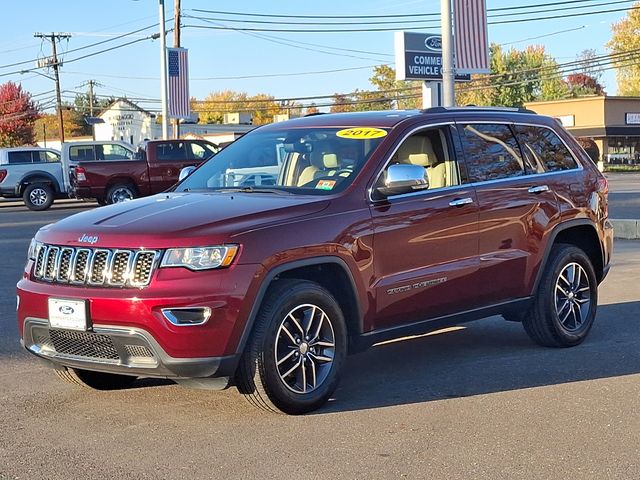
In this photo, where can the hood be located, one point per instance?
(178, 219)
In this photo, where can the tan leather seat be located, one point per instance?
(322, 165)
(418, 150)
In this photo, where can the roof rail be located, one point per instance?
(474, 107)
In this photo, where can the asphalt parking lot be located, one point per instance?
(478, 402)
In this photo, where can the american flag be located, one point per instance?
(179, 106)
(470, 36)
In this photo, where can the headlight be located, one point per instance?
(200, 258)
(33, 248)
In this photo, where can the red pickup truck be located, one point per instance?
(153, 169)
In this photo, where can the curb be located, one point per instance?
(626, 229)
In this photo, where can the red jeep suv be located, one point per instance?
(308, 239)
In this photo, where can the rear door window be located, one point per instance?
(109, 151)
(491, 152)
(20, 156)
(171, 151)
(201, 151)
(544, 150)
(82, 153)
(45, 156)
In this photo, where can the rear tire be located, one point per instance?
(94, 380)
(293, 360)
(122, 192)
(38, 196)
(565, 306)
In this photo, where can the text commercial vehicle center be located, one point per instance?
(308, 239)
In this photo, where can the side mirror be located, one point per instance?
(403, 178)
(185, 172)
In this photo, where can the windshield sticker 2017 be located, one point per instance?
(362, 133)
(326, 184)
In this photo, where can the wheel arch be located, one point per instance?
(583, 234)
(331, 273)
(38, 176)
(120, 180)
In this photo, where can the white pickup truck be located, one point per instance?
(40, 175)
(35, 174)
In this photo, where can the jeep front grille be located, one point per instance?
(95, 266)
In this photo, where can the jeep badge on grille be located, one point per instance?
(84, 238)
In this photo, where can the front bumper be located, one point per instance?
(133, 317)
(112, 349)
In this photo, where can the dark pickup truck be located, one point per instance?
(154, 168)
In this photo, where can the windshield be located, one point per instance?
(301, 160)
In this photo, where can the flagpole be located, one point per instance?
(448, 74)
(163, 74)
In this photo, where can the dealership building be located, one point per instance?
(613, 123)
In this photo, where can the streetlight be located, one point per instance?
(58, 99)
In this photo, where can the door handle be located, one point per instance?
(538, 189)
(460, 202)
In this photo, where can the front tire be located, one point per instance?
(94, 380)
(565, 306)
(298, 348)
(38, 196)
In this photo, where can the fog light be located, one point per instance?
(187, 316)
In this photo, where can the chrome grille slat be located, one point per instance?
(99, 267)
(121, 266)
(95, 266)
(51, 262)
(41, 254)
(63, 266)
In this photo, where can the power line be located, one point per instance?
(404, 22)
(84, 47)
(263, 15)
(385, 29)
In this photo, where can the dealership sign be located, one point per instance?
(419, 57)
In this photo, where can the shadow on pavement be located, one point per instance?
(487, 356)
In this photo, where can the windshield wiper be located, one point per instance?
(257, 190)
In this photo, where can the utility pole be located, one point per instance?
(91, 82)
(448, 74)
(53, 62)
(93, 130)
(163, 72)
(176, 43)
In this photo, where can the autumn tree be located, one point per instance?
(311, 109)
(517, 77)
(18, 112)
(581, 84)
(624, 39)
(588, 62)
(261, 107)
(342, 103)
(402, 94)
(48, 125)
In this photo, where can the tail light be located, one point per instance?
(603, 191)
(3, 174)
(81, 174)
(603, 185)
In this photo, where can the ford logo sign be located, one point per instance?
(433, 43)
(66, 310)
(84, 238)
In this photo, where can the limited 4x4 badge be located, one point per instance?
(424, 284)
